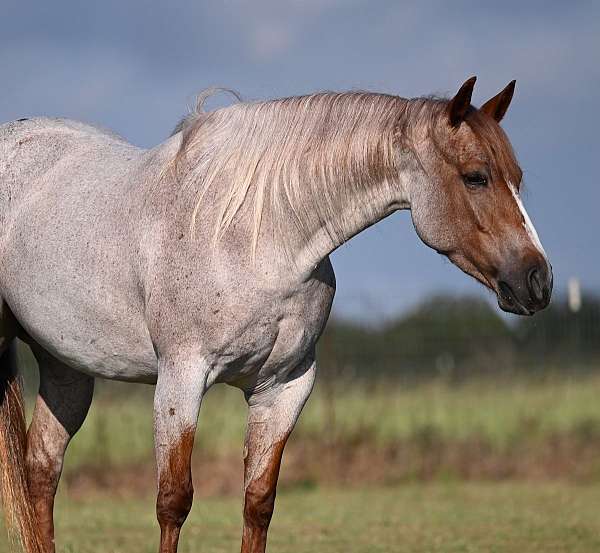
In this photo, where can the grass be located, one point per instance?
(118, 430)
(391, 513)
(444, 518)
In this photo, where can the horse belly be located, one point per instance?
(112, 349)
(87, 338)
(93, 324)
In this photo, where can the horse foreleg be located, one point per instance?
(271, 417)
(179, 391)
(63, 401)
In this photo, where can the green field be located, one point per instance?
(499, 465)
(466, 517)
(515, 419)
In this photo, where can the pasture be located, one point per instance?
(439, 517)
(491, 428)
(493, 464)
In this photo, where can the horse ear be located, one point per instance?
(496, 107)
(460, 104)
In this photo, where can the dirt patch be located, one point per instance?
(570, 456)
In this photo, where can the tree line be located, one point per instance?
(460, 336)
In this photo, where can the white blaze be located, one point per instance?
(527, 224)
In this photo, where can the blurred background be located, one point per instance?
(431, 404)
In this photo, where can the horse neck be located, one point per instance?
(357, 209)
(302, 188)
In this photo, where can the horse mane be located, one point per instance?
(300, 157)
(283, 152)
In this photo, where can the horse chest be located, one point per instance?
(275, 345)
(276, 335)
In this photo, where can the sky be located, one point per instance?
(135, 66)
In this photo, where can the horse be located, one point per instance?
(205, 260)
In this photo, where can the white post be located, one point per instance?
(574, 290)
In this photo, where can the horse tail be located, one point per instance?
(18, 508)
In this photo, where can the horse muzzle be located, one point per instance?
(525, 292)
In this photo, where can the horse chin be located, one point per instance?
(509, 304)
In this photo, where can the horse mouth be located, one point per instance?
(508, 301)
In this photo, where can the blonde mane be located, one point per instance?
(296, 157)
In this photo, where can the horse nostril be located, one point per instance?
(506, 292)
(536, 288)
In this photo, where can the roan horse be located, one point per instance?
(205, 260)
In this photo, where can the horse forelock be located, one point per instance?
(423, 116)
(498, 148)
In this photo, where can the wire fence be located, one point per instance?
(457, 337)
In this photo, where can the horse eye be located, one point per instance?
(475, 179)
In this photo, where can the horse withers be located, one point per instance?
(206, 260)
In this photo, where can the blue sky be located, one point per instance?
(135, 66)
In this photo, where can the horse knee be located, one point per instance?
(174, 502)
(42, 476)
(44, 458)
(259, 505)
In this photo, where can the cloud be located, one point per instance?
(134, 66)
(270, 28)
